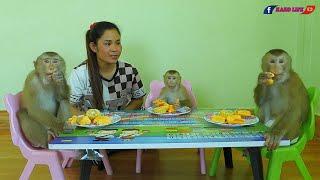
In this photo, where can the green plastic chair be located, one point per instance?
(288, 153)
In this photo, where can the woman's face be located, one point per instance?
(108, 48)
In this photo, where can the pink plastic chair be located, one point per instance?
(155, 87)
(32, 154)
(106, 161)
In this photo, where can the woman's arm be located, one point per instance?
(135, 104)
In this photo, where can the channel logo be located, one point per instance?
(285, 9)
(269, 9)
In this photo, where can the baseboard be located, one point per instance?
(3, 112)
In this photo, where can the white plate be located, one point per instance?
(180, 111)
(247, 121)
(114, 119)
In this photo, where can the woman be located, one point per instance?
(102, 81)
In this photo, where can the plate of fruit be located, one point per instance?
(93, 118)
(162, 108)
(229, 118)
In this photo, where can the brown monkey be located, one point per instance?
(283, 102)
(174, 92)
(45, 100)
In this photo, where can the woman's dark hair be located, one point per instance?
(93, 35)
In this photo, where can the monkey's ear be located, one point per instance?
(93, 47)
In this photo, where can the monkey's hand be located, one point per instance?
(58, 128)
(272, 139)
(54, 132)
(177, 104)
(49, 77)
(265, 78)
(58, 77)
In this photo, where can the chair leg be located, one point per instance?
(302, 168)
(106, 161)
(27, 171)
(202, 161)
(67, 157)
(274, 167)
(138, 161)
(215, 162)
(67, 162)
(56, 170)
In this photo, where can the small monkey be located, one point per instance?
(45, 100)
(281, 97)
(174, 92)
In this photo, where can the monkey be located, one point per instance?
(174, 92)
(44, 105)
(283, 102)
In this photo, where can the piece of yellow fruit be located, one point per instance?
(236, 121)
(85, 120)
(102, 120)
(231, 118)
(225, 113)
(270, 81)
(218, 118)
(243, 112)
(93, 113)
(158, 102)
(73, 120)
(171, 109)
(269, 74)
(160, 110)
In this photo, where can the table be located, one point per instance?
(141, 130)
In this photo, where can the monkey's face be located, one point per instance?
(46, 66)
(172, 80)
(278, 65)
(108, 48)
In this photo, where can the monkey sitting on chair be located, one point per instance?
(174, 92)
(44, 106)
(281, 97)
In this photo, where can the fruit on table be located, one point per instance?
(162, 107)
(231, 117)
(159, 102)
(218, 118)
(171, 109)
(244, 113)
(235, 119)
(85, 120)
(93, 113)
(73, 120)
(102, 120)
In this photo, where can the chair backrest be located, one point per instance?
(12, 103)
(309, 125)
(156, 86)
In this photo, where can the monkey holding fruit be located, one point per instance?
(174, 92)
(44, 106)
(281, 97)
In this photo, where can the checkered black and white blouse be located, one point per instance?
(124, 86)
